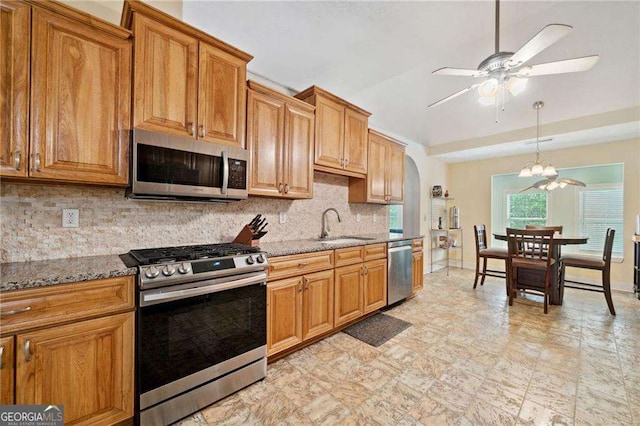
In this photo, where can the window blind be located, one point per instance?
(598, 210)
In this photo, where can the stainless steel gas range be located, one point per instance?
(201, 327)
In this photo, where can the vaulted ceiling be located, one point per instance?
(380, 55)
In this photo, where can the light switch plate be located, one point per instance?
(70, 218)
(282, 217)
(375, 217)
(358, 217)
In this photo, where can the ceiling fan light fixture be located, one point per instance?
(489, 88)
(487, 101)
(562, 184)
(552, 185)
(516, 85)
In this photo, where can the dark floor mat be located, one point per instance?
(377, 329)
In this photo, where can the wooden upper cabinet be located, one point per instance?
(80, 102)
(15, 37)
(221, 96)
(395, 173)
(341, 133)
(165, 78)
(384, 183)
(280, 134)
(186, 82)
(355, 141)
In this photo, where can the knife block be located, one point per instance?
(246, 237)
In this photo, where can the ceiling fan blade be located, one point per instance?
(574, 182)
(537, 185)
(559, 67)
(459, 72)
(455, 95)
(545, 38)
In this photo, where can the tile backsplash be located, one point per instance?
(111, 224)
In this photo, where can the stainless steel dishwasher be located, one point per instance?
(400, 271)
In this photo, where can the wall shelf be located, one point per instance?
(442, 239)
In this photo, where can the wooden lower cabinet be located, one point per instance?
(348, 293)
(7, 370)
(85, 366)
(298, 309)
(418, 272)
(375, 285)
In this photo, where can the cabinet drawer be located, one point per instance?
(349, 256)
(375, 251)
(299, 264)
(416, 245)
(38, 307)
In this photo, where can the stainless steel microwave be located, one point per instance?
(172, 168)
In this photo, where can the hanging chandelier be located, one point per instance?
(538, 168)
(544, 168)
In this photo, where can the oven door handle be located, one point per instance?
(225, 172)
(163, 297)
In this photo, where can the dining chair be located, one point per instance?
(595, 263)
(485, 252)
(556, 228)
(530, 254)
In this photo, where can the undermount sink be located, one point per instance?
(345, 240)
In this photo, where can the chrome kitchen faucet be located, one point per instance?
(324, 234)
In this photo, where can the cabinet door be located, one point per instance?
(7, 370)
(395, 174)
(222, 91)
(375, 285)
(265, 121)
(284, 314)
(317, 303)
(355, 141)
(417, 258)
(15, 32)
(80, 102)
(165, 78)
(329, 133)
(298, 157)
(86, 366)
(348, 293)
(377, 187)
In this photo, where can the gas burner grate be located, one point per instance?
(186, 253)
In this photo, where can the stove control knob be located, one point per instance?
(152, 272)
(184, 268)
(250, 260)
(168, 270)
(260, 258)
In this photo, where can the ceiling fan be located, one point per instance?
(506, 71)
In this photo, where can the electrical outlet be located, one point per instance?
(375, 217)
(358, 217)
(282, 217)
(70, 218)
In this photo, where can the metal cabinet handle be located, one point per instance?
(191, 128)
(346, 162)
(366, 270)
(286, 188)
(16, 160)
(27, 350)
(280, 188)
(1, 357)
(300, 286)
(203, 131)
(37, 162)
(302, 264)
(15, 311)
(306, 284)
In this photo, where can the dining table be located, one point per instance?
(559, 240)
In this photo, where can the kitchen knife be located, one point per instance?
(259, 224)
(259, 235)
(262, 227)
(255, 220)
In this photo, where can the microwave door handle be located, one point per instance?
(225, 171)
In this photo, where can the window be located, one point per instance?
(599, 209)
(395, 218)
(526, 209)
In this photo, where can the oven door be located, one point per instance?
(170, 166)
(190, 334)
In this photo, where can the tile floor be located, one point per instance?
(468, 359)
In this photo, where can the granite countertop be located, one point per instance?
(20, 275)
(282, 248)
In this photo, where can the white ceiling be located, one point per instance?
(380, 55)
